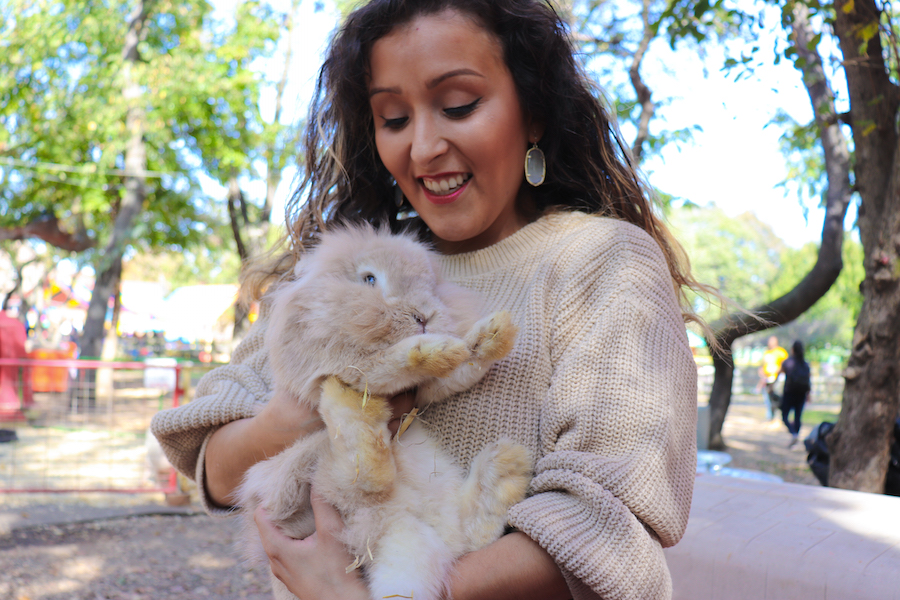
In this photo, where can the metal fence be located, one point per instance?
(83, 426)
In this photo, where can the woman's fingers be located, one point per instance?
(314, 567)
(283, 551)
(328, 519)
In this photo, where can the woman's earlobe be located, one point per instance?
(535, 131)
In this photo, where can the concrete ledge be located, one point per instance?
(783, 541)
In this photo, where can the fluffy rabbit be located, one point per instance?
(368, 316)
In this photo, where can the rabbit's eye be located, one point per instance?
(369, 279)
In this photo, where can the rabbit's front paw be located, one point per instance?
(492, 337)
(437, 357)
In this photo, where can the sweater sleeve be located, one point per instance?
(225, 394)
(614, 481)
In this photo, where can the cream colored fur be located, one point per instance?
(368, 316)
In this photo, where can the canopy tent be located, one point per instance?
(196, 312)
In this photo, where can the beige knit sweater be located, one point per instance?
(600, 385)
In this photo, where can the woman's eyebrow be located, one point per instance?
(431, 84)
(455, 73)
(390, 90)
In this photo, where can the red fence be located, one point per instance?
(83, 426)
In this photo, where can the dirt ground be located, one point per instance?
(160, 557)
(760, 445)
(192, 556)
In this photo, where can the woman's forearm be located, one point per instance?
(237, 446)
(514, 567)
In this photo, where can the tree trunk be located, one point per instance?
(105, 376)
(828, 261)
(861, 440)
(109, 268)
(236, 200)
(720, 396)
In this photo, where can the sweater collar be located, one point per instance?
(508, 250)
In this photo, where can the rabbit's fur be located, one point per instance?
(367, 316)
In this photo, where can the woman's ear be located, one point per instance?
(535, 130)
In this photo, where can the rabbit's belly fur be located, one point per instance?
(409, 511)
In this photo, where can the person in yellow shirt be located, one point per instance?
(768, 373)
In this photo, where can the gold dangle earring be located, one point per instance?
(535, 165)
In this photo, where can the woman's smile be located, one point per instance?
(443, 189)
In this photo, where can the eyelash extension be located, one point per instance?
(461, 111)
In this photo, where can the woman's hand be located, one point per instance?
(237, 446)
(315, 567)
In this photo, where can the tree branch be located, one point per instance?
(837, 199)
(235, 196)
(643, 92)
(46, 228)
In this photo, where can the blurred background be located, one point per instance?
(148, 148)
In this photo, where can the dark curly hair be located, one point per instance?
(588, 165)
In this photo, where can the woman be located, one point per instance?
(796, 390)
(429, 108)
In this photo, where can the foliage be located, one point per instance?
(741, 256)
(744, 259)
(176, 269)
(62, 106)
(828, 324)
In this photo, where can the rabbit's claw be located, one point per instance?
(493, 337)
(437, 358)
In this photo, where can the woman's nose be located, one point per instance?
(428, 141)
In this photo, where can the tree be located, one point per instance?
(861, 440)
(838, 193)
(99, 122)
(740, 255)
(250, 224)
(108, 281)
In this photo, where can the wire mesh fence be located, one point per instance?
(83, 426)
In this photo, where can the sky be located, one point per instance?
(733, 161)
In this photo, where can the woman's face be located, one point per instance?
(450, 129)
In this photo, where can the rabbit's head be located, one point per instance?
(359, 291)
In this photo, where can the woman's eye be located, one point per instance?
(395, 123)
(369, 279)
(457, 112)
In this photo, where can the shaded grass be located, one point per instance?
(816, 416)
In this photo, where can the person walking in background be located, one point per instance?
(797, 384)
(768, 374)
